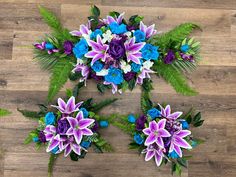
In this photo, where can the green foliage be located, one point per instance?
(103, 145)
(122, 123)
(76, 157)
(60, 74)
(4, 112)
(98, 106)
(95, 11)
(176, 168)
(30, 137)
(51, 163)
(195, 120)
(102, 88)
(77, 89)
(146, 102)
(174, 77)
(135, 20)
(31, 114)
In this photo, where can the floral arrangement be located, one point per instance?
(117, 53)
(69, 128)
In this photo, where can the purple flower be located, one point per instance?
(84, 30)
(42, 137)
(94, 76)
(144, 74)
(177, 142)
(170, 57)
(154, 151)
(166, 112)
(79, 127)
(62, 126)
(83, 69)
(68, 47)
(71, 145)
(111, 19)
(187, 57)
(40, 46)
(155, 132)
(129, 76)
(114, 86)
(51, 136)
(148, 31)
(140, 123)
(130, 28)
(95, 127)
(69, 107)
(116, 49)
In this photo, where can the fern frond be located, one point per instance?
(4, 112)
(98, 106)
(31, 114)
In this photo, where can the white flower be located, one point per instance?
(80, 61)
(125, 67)
(128, 33)
(107, 36)
(87, 36)
(147, 64)
(103, 72)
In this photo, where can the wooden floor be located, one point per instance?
(23, 84)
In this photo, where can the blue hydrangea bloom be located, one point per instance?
(85, 144)
(173, 155)
(94, 34)
(153, 113)
(138, 139)
(184, 48)
(131, 118)
(135, 67)
(103, 123)
(97, 66)
(185, 124)
(50, 118)
(139, 36)
(193, 144)
(80, 48)
(114, 76)
(35, 139)
(149, 52)
(54, 151)
(117, 29)
(49, 46)
(85, 112)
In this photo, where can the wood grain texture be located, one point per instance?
(23, 85)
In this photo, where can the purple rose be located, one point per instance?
(62, 126)
(129, 76)
(169, 57)
(140, 123)
(117, 49)
(68, 47)
(42, 137)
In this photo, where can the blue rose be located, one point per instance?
(54, 151)
(173, 155)
(97, 66)
(150, 52)
(185, 124)
(114, 76)
(153, 113)
(80, 48)
(139, 36)
(35, 139)
(135, 67)
(131, 118)
(94, 34)
(103, 123)
(85, 112)
(138, 139)
(184, 48)
(85, 144)
(49, 46)
(50, 118)
(117, 29)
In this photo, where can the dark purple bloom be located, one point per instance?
(140, 123)
(95, 127)
(68, 47)
(42, 137)
(187, 57)
(100, 25)
(169, 58)
(117, 49)
(129, 76)
(62, 126)
(94, 76)
(130, 28)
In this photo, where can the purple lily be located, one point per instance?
(70, 145)
(114, 87)
(79, 127)
(111, 19)
(144, 74)
(133, 50)
(84, 30)
(177, 141)
(99, 50)
(166, 112)
(155, 132)
(69, 107)
(148, 31)
(51, 136)
(41, 46)
(154, 151)
(84, 69)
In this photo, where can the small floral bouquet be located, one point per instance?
(68, 128)
(117, 53)
(162, 135)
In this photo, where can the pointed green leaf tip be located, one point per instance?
(4, 112)
(95, 11)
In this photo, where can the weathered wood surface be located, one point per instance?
(23, 85)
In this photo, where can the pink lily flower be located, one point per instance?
(144, 74)
(114, 87)
(133, 50)
(166, 112)
(148, 31)
(51, 136)
(71, 145)
(41, 46)
(99, 50)
(111, 19)
(84, 69)
(84, 30)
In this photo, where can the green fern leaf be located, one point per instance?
(31, 114)
(97, 107)
(4, 112)
(51, 163)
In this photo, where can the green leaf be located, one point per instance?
(77, 89)
(132, 84)
(60, 74)
(30, 114)
(95, 11)
(51, 163)
(182, 162)
(197, 117)
(114, 14)
(198, 124)
(101, 87)
(28, 139)
(4, 112)
(97, 107)
(69, 93)
(74, 156)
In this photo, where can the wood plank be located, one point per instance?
(6, 44)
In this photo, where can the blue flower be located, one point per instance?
(54, 151)
(85, 112)
(35, 139)
(193, 144)
(97, 66)
(103, 123)
(173, 155)
(131, 118)
(80, 48)
(135, 67)
(94, 34)
(139, 36)
(184, 48)
(138, 139)
(49, 46)
(153, 113)
(185, 124)
(150, 52)
(50, 118)
(114, 76)
(117, 29)
(85, 144)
